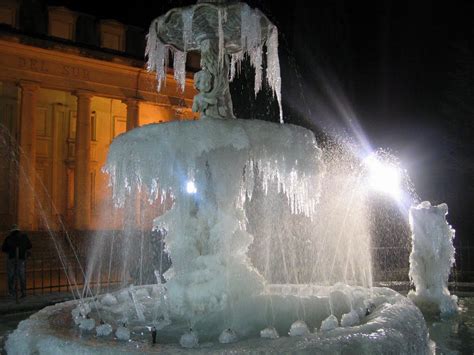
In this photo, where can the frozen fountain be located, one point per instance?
(268, 235)
(432, 258)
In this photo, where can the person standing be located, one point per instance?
(16, 245)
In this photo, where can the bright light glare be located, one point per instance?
(383, 177)
(191, 188)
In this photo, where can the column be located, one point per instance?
(27, 158)
(132, 213)
(82, 173)
(132, 113)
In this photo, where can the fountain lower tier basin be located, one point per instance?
(385, 322)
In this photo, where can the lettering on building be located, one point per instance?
(36, 65)
(75, 72)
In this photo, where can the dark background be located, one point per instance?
(392, 74)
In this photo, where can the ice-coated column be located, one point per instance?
(431, 258)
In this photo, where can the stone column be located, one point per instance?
(132, 212)
(27, 158)
(132, 113)
(82, 174)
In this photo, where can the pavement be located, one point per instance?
(8, 305)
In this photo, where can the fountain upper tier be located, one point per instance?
(183, 28)
(224, 34)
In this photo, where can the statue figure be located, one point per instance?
(214, 99)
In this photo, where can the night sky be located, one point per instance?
(402, 71)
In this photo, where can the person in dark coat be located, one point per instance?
(17, 246)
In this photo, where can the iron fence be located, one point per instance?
(47, 274)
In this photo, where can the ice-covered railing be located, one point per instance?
(235, 30)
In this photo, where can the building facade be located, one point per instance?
(67, 89)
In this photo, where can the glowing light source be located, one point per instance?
(190, 187)
(383, 177)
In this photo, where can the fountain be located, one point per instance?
(432, 258)
(268, 235)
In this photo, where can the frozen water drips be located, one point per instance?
(157, 53)
(151, 42)
(251, 41)
(431, 258)
(132, 165)
(273, 66)
(294, 185)
(207, 238)
(256, 59)
(138, 305)
(235, 64)
(161, 63)
(222, 18)
(179, 68)
(187, 17)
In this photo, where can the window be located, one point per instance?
(62, 23)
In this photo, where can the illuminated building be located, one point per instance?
(69, 84)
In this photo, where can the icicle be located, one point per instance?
(187, 16)
(150, 49)
(157, 54)
(161, 62)
(273, 66)
(251, 41)
(222, 17)
(256, 61)
(179, 66)
(235, 64)
(245, 16)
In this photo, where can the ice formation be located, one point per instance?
(108, 300)
(169, 34)
(87, 324)
(215, 175)
(432, 258)
(227, 336)
(395, 326)
(189, 339)
(207, 238)
(103, 330)
(350, 319)
(122, 333)
(269, 333)
(298, 328)
(329, 323)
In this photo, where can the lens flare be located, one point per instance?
(383, 177)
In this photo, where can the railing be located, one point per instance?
(46, 274)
